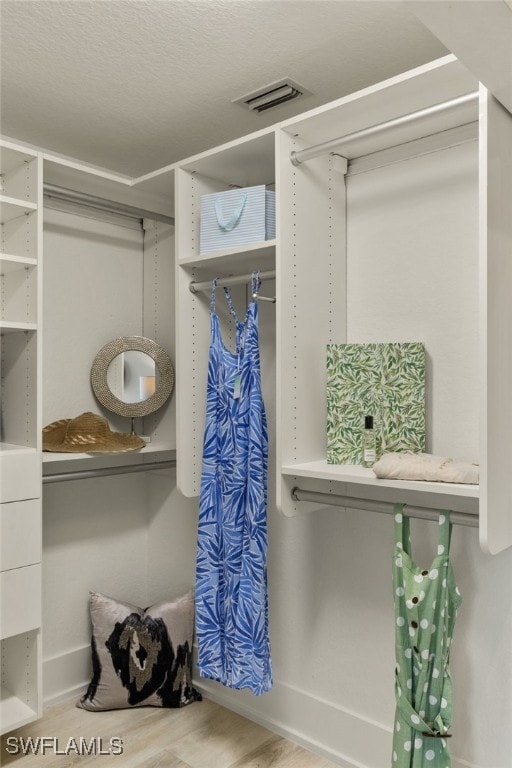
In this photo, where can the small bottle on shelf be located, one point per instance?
(369, 443)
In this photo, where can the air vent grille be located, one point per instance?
(272, 95)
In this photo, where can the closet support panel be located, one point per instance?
(192, 330)
(38, 418)
(158, 316)
(496, 323)
(191, 352)
(311, 269)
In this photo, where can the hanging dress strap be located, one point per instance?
(445, 532)
(255, 282)
(402, 529)
(212, 295)
(231, 306)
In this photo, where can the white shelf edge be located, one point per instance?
(16, 202)
(14, 712)
(53, 458)
(19, 202)
(211, 256)
(12, 149)
(357, 475)
(10, 326)
(17, 262)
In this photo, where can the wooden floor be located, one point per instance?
(201, 735)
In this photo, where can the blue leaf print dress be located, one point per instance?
(231, 574)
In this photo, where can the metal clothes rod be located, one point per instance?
(100, 203)
(86, 474)
(270, 299)
(383, 507)
(326, 147)
(227, 281)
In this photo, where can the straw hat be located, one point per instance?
(88, 432)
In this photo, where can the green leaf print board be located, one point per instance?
(386, 381)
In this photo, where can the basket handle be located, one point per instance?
(235, 216)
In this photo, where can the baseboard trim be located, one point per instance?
(66, 676)
(341, 733)
(321, 726)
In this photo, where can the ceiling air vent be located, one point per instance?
(272, 95)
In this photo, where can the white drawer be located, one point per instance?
(20, 534)
(20, 592)
(20, 470)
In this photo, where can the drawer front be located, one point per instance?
(20, 534)
(21, 476)
(20, 591)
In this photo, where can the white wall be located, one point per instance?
(92, 293)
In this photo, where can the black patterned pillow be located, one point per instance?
(140, 657)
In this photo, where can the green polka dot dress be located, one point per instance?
(426, 603)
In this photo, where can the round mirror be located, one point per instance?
(132, 376)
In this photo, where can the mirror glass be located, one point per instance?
(132, 376)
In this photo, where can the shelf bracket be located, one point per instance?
(339, 164)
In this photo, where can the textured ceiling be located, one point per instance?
(133, 85)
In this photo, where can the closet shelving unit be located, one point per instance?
(239, 164)
(409, 252)
(398, 235)
(20, 447)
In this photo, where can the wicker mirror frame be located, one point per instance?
(104, 394)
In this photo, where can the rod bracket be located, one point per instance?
(339, 164)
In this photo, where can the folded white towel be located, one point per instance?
(425, 466)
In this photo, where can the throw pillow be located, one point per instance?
(140, 657)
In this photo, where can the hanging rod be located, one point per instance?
(52, 192)
(227, 281)
(326, 147)
(383, 507)
(86, 474)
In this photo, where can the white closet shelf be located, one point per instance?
(11, 159)
(236, 260)
(52, 460)
(15, 712)
(355, 474)
(11, 263)
(10, 326)
(243, 162)
(12, 208)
